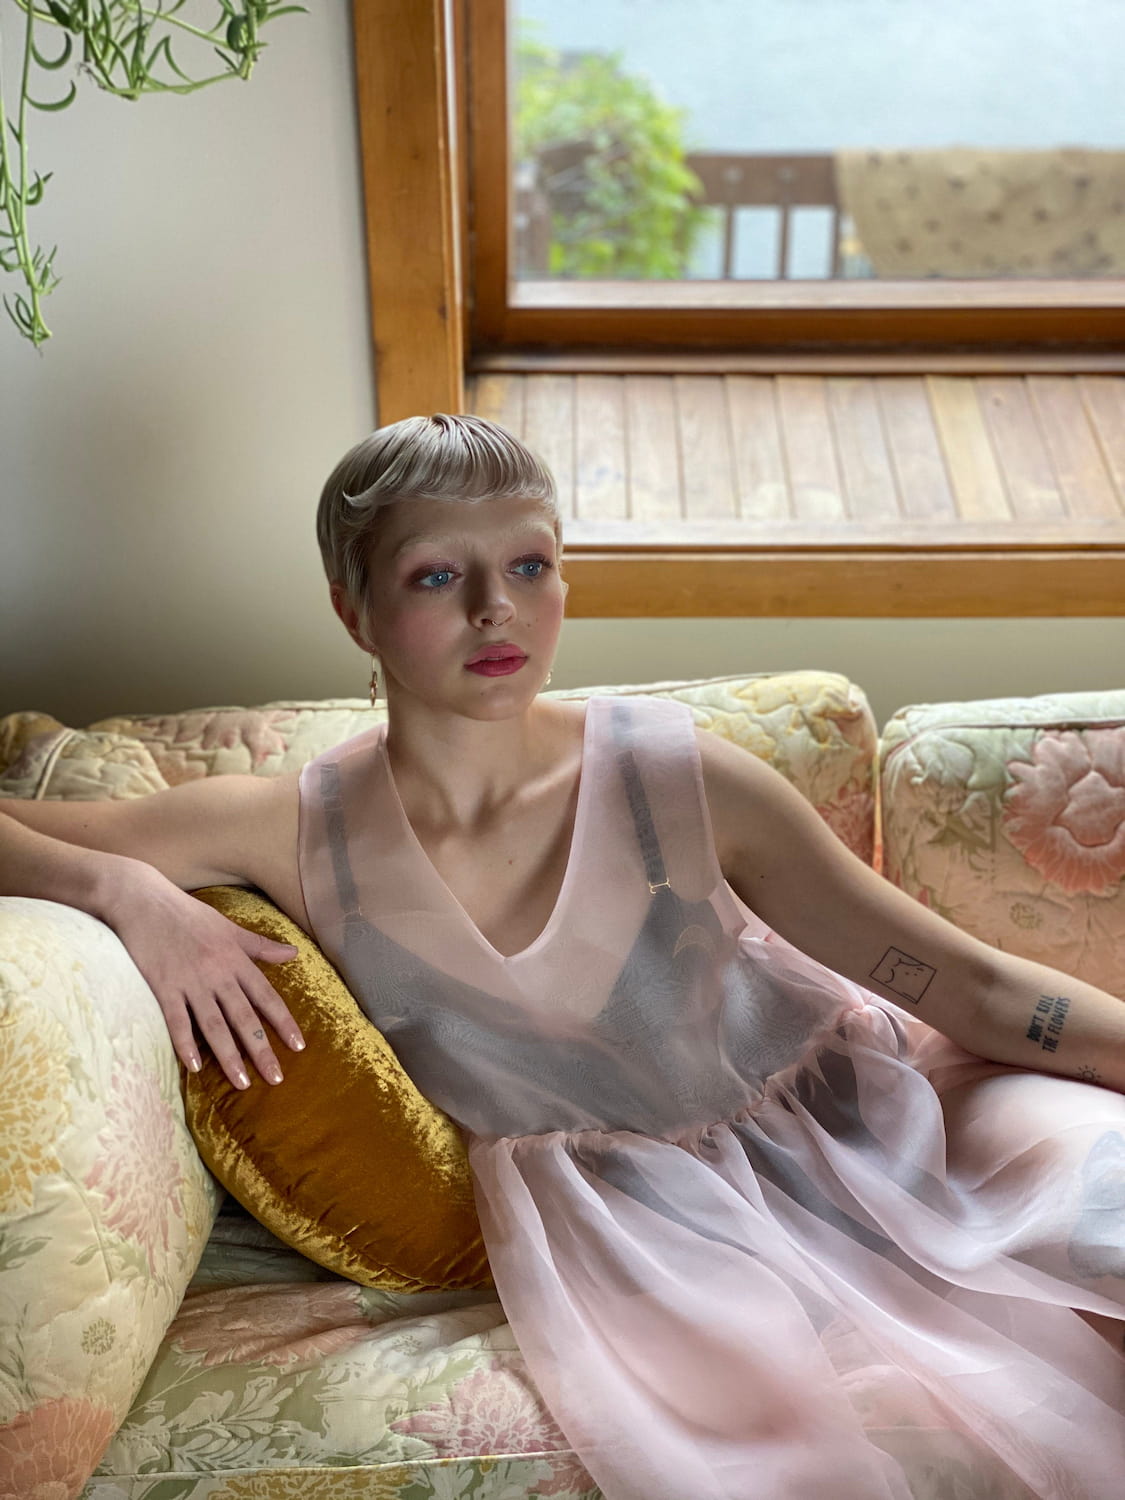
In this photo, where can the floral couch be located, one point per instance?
(157, 1343)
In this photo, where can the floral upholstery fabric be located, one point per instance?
(105, 1207)
(1007, 816)
(407, 1400)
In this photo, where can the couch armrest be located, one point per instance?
(1007, 817)
(105, 1206)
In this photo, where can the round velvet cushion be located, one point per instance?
(344, 1160)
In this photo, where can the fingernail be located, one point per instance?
(193, 1062)
(297, 1043)
(242, 1080)
(274, 1075)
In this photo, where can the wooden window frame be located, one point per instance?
(1068, 317)
(411, 153)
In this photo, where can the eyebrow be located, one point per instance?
(432, 539)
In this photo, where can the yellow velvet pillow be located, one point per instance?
(344, 1160)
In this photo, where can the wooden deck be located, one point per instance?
(802, 494)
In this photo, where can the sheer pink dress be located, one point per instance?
(760, 1234)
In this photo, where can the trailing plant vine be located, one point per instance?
(126, 48)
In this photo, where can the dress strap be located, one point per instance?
(622, 724)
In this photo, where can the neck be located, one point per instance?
(452, 772)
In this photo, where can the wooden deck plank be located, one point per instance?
(500, 398)
(1073, 446)
(761, 479)
(978, 486)
(548, 430)
(809, 445)
(705, 465)
(923, 480)
(1104, 399)
(704, 428)
(870, 491)
(600, 465)
(653, 447)
(1029, 474)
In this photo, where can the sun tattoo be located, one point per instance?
(1089, 1074)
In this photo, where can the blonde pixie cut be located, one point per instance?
(420, 458)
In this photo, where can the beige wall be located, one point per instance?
(161, 458)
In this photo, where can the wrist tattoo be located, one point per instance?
(1047, 1021)
(904, 976)
(1088, 1074)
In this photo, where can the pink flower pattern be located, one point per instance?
(1066, 811)
(136, 1170)
(496, 1411)
(184, 746)
(291, 1325)
(49, 1452)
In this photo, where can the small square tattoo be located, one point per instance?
(903, 975)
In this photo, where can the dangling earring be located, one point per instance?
(374, 681)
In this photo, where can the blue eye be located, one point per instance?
(438, 578)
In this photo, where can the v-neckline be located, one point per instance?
(568, 874)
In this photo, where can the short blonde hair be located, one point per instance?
(420, 458)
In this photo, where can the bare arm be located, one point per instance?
(130, 865)
(786, 864)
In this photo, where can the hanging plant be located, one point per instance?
(126, 47)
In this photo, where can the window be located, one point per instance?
(833, 175)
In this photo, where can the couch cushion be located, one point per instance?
(258, 1386)
(292, 1391)
(1007, 816)
(346, 1160)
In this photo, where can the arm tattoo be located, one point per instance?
(904, 976)
(1088, 1074)
(1047, 1020)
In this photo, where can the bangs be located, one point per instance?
(459, 458)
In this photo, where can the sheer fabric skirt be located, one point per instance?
(860, 1285)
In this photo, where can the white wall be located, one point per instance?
(161, 458)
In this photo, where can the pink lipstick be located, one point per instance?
(493, 667)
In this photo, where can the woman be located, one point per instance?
(753, 1134)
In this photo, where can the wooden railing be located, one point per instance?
(554, 183)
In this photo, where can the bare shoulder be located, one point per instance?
(263, 851)
(248, 836)
(739, 786)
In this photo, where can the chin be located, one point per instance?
(503, 696)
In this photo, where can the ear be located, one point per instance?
(350, 618)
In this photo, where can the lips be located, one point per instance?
(496, 653)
